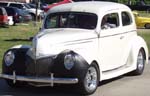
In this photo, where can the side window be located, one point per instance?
(16, 5)
(51, 22)
(110, 21)
(3, 4)
(126, 18)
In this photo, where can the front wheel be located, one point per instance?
(140, 63)
(90, 82)
(15, 85)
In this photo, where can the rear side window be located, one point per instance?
(3, 4)
(16, 5)
(126, 18)
(10, 11)
(1, 12)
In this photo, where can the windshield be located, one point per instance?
(27, 6)
(71, 20)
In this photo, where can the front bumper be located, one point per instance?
(51, 80)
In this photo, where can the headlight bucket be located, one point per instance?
(68, 61)
(9, 58)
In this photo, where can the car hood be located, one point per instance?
(53, 41)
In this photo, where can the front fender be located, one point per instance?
(78, 70)
(19, 62)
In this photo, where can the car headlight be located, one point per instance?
(9, 58)
(68, 61)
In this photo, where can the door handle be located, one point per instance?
(121, 37)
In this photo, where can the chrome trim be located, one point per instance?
(50, 79)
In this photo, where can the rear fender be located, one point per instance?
(137, 43)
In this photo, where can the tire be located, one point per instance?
(90, 81)
(33, 17)
(147, 26)
(16, 84)
(140, 63)
(14, 24)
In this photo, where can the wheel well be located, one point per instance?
(32, 14)
(96, 64)
(142, 49)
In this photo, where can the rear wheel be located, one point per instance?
(140, 63)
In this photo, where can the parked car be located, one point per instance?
(142, 21)
(56, 4)
(25, 16)
(42, 5)
(3, 17)
(140, 6)
(14, 12)
(24, 6)
(73, 48)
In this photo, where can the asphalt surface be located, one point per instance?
(125, 85)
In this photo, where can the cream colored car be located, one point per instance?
(74, 48)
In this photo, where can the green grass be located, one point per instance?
(15, 35)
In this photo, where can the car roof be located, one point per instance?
(14, 8)
(88, 6)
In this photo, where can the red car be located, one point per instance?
(3, 17)
(55, 4)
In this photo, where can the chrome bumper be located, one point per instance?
(51, 80)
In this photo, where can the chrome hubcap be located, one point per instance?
(140, 61)
(91, 79)
(148, 26)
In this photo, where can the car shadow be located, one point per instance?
(15, 39)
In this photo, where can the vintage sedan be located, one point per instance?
(141, 21)
(72, 47)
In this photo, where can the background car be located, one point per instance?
(24, 16)
(14, 12)
(140, 6)
(55, 4)
(3, 17)
(142, 21)
(24, 6)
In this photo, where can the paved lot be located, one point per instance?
(122, 86)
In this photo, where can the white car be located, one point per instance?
(73, 48)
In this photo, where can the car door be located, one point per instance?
(110, 43)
